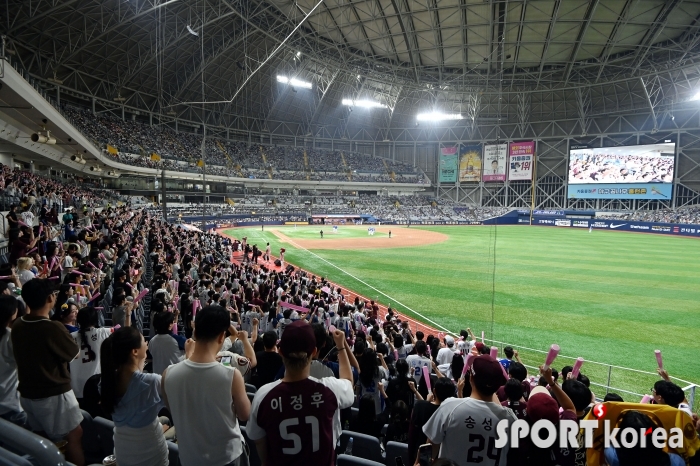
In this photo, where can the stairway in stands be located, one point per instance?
(348, 172)
(307, 169)
(264, 158)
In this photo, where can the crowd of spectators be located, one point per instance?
(180, 151)
(687, 215)
(414, 208)
(175, 335)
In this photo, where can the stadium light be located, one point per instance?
(439, 116)
(696, 96)
(294, 82)
(363, 103)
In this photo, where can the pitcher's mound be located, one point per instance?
(401, 237)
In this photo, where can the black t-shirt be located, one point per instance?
(421, 413)
(13, 216)
(268, 367)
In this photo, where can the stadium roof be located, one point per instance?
(492, 61)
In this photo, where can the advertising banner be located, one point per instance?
(469, 163)
(620, 225)
(661, 191)
(521, 155)
(495, 162)
(448, 164)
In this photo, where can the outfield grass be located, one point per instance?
(610, 297)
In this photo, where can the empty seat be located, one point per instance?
(396, 450)
(363, 446)
(347, 460)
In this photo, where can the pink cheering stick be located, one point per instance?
(646, 399)
(332, 328)
(53, 261)
(94, 297)
(91, 265)
(31, 250)
(482, 336)
(426, 377)
(22, 223)
(5, 277)
(396, 354)
(551, 356)
(129, 285)
(577, 368)
(78, 273)
(41, 228)
(102, 256)
(659, 361)
(468, 364)
(54, 278)
(141, 295)
(494, 352)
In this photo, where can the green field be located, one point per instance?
(610, 297)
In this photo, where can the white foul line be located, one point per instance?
(391, 299)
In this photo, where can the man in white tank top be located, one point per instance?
(199, 392)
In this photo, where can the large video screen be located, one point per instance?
(625, 172)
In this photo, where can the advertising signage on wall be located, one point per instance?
(448, 164)
(470, 163)
(521, 156)
(495, 162)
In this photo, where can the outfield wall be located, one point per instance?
(619, 225)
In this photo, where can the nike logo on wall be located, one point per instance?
(617, 226)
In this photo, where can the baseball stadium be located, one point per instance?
(492, 205)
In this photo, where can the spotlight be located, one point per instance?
(95, 169)
(43, 138)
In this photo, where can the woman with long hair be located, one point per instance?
(399, 423)
(366, 421)
(133, 399)
(90, 338)
(24, 269)
(370, 380)
(403, 387)
(10, 408)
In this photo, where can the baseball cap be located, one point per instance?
(449, 341)
(479, 346)
(486, 370)
(541, 405)
(298, 337)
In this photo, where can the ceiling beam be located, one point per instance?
(579, 38)
(404, 31)
(523, 9)
(388, 31)
(107, 32)
(550, 31)
(653, 32)
(610, 44)
(33, 18)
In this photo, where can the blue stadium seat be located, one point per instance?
(363, 446)
(7, 458)
(394, 450)
(251, 388)
(27, 444)
(105, 434)
(347, 460)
